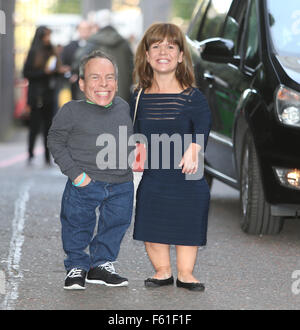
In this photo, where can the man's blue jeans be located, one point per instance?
(78, 219)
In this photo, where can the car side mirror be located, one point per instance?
(220, 51)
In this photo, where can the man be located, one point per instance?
(68, 53)
(73, 142)
(112, 43)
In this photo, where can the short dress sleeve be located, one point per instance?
(200, 116)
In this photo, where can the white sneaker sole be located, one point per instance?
(125, 283)
(74, 287)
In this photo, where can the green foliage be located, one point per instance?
(67, 7)
(183, 8)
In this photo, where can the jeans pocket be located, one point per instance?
(92, 182)
(127, 186)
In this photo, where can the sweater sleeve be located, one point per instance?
(58, 142)
(201, 116)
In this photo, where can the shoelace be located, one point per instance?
(75, 272)
(109, 267)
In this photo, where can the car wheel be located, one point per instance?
(256, 212)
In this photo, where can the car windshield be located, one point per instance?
(284, 20)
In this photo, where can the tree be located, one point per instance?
(67, 6)
(183, 8)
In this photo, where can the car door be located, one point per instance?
(226, 82)
(210, 23)
(194, 40)
(206, 24)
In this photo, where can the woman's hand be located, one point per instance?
(48, 71)
(86, 181)
(73, 78)
(63, 69)
(190, 159)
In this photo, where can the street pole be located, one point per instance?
(155, 11)
(6, 66)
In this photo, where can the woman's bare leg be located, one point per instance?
(186, 259)
(159, 255)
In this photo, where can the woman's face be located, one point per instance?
(47, 38)
(164, 57)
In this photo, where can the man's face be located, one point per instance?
(84, 30)
(100, 82)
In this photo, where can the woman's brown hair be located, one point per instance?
(143, 73)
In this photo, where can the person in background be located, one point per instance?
(171, 209)
(68, 53)
(108, 40)
(41, 69)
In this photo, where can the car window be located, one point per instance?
(195, 26)
(251, 58)
(284, 23)
(214, 19)
(234, 23)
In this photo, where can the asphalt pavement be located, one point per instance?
(239, 271)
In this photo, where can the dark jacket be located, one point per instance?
(41, 85)
(67, 58)
(68, 53)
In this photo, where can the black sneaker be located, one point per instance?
(75, 279)
(106, 274)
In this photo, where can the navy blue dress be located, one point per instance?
(171, 209)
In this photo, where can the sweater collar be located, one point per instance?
(105, 106)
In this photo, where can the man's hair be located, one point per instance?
(92, 55)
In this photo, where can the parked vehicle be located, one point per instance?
(246, 57)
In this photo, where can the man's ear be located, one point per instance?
(81, 84)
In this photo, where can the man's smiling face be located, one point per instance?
(100, 82)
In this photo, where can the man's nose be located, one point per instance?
(103, 82)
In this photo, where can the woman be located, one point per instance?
(170, 209)
(41, 68)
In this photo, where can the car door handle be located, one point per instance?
(208, 76)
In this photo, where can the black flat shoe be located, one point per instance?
(154, 282)
(190, 286)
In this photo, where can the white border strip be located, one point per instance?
(2, 282)
(14, 274)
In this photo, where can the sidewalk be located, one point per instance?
(14, 150)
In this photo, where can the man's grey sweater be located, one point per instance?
(75, 140)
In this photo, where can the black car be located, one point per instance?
(246, 56)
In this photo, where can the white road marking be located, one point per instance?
(2, 282)
(14, 274)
